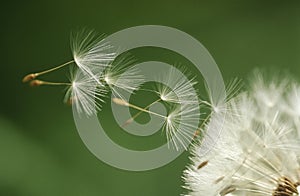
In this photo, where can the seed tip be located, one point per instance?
(70, 101)
(120, 101)
(127, 122)
(196, 134)
(35, 83)
(201, 165)
(28, 78)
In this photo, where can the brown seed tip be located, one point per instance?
(127, 122)
(201, 165)
(35, 83)
(28, 77)
(196, 134)
(70, 101)
(120, 101)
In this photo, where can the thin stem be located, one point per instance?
(56, 83)
(32, 76)
(40, 82)
(139, 113)
(125, 103)
(206, 103)
(54, 68)
(144, 110)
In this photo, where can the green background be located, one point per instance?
(40, 150)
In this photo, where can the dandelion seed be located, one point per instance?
(180, 125)
(90, 53)
(232, 88)
(121, 77)
(176, 89)
(85, 93)
(182, 121)
(32, 76)
(258, 150)
(183, 109)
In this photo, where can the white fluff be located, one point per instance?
(85, 93)
(258, 149)
(176, 89)
(121, 76)
(91, 52)
(179, 94)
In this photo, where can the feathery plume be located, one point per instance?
(257, 152)
(181, 100)
(121, 77)
(91, 55)
(90, 52)
(180, 125)
(176, 89)
(85, 93)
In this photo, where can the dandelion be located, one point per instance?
(179, 96)
(178, 124)
(82, 91)
(90, 53)
(257, 152)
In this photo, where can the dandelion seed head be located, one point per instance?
(257, 152)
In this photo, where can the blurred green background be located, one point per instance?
(41, 152)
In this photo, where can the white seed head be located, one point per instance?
(258, 150)
(85, 93)
(91, 52)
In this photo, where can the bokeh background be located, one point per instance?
(40, 150)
